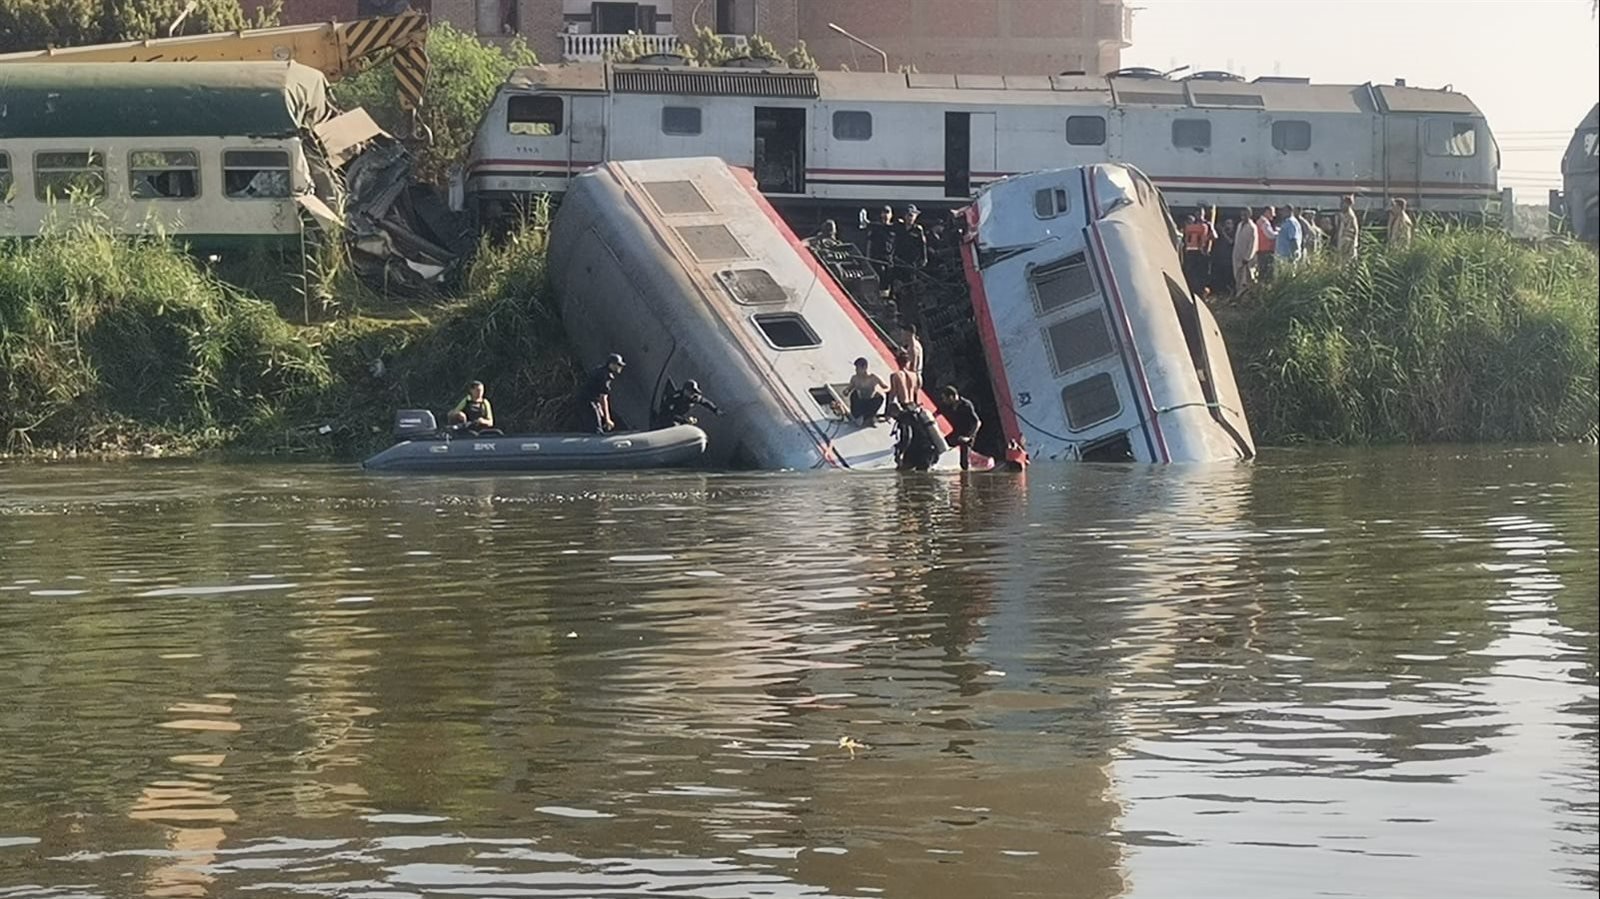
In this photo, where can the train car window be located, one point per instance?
(1291, 136)
(1078, 341)
(1086, 130)
(787, 331)
(1451, 138)
(5, 177)
(255, 174)
(684, 120)
(1090, 401)
(64, 174)
(852, 125)
(1059, 283)
(163, 174)
(535, 116)
(1050, 202)
(1191, 134)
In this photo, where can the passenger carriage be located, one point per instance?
(841, 140)
(682, 267)
(213, 153)
(1097, 351)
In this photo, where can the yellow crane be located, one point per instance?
(336, 48)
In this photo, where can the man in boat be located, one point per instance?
(474, 414)
(866, 392)
(964, 422)
(678, 404)
(594, 397)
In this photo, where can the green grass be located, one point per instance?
(1465, 335)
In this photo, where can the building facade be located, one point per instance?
(1008, 37)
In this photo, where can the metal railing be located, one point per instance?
(594, 47)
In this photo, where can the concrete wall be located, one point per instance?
(973, 36)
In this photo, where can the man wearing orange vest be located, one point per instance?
(1266, 242)
(1198, 237)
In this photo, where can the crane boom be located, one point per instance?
(336, 48)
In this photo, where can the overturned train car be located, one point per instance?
(1096, 349)
(682, 267)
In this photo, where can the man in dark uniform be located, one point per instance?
(880, 246)
(964, 422)
(910, 248)
(677, 405)
(594, 397)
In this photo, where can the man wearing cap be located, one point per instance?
(910, 247)
(594, 398)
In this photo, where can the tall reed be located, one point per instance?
(1464, 335)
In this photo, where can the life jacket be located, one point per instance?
(1264, 242)
(473, 410)
(1194, 237)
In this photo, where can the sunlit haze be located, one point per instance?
(1530, 65)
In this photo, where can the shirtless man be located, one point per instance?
(866, 395)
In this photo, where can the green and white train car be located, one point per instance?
(215, 154)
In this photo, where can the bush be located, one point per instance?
(463, 76)
(97, 330)
(1464, 335)
(709, 49)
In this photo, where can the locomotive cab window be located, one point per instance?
(163, 174)
(255, 174)
(534, 116)
(60, 175)
(1086, 130)
(1191, 134)
(852, 125)
(680, 120)
(1452, 138)
(1291, 136)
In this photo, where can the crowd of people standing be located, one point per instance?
(1221, 259)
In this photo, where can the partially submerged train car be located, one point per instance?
(218, 153)
(682, 267)
(1097, 350)
(841, 140)
(1580, 179)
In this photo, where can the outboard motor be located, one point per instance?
(414, 424)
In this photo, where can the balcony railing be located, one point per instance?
(594, 47)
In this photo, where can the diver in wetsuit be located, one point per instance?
(676, 406)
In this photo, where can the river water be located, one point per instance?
(1325, 674)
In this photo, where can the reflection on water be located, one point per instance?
(1364, 674)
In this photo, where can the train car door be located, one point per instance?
(1402, 152)
(586, 132)
(780, 149)
(968, 147)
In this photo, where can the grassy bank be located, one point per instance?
(1465, 335)
(129, 346)
(111, 346)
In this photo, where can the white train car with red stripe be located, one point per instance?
(843, 140)
(1095, 348)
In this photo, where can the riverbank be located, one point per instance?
(115, 346)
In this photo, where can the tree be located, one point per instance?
(710, 49)
(37, 24)
(463, 76)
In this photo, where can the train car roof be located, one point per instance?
(1267, 93)
(155, 99)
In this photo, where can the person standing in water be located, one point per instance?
(964, 422)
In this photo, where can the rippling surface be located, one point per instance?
(1367, 675)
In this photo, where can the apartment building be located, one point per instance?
(968, 36)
